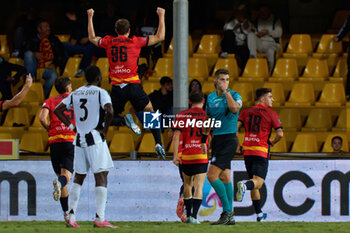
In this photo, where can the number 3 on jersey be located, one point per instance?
(119, 53)
(82, 106)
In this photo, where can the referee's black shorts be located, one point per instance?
(223, 149)
(62, 156)
(256, 166)
(131, 92)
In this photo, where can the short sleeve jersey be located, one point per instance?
(123, 54)
(88, 103)
(58, 131)
(217, 108)
(191, 134)
(258, 122)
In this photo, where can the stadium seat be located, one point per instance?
(208, 87)
(227, 63)
(315, 70)
(318, 120)
(170, 50)
(5, 136)
(147, 144)
(41, 130)
(36, 122)
(16, 132)
(78, 82)
(340, 124)
(277, 93)
(302, 95)
(209, 44)
(17, 116)
(341, 70)
(246, 90)
(32, 142)
(305, 142)
(280, 146)
(164, 67)
(35, 94)
(150, 86)
(291, 119)
(197, 68)
(103, 64)
(255, 70)
(332, 95)
(53, 92)
(327, 146)
(63, 37)
(329, 49)
(286, 69)
(4, 49)
(17, 61)
(299, 46)
(72, 66)
(122, 143)
(142, 60)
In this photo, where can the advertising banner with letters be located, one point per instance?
(295, 190)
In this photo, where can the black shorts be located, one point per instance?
(223, 149)
(194, 169)
(131, 92)
(62, 156)
(256, 166)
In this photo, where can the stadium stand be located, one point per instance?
(255, 70)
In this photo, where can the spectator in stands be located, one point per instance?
(267, 37)
(6, 78)
(341, 34)
(162, 99)
(235, 36)
(337, 143)
(196, 85)
(44, 52)
(79, 43)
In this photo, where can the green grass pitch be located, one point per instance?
(168, 227)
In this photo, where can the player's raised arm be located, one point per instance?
(59, 111)
(92, 37)
(160, 35)
(17, 99)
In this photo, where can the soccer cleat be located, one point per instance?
(56, 189)
(188, 220)
(262, 217)
(66, 217)
(194, 221)
(129, 121)
(232, 220)
(224, 218)
(180, 209)
(241, 191)
(69, 223)
(104, 224)
(160, 151)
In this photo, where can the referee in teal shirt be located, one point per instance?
(223, 105)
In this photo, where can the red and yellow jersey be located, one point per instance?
(258, 122)
(59, 132)
(190, 139)
(123, 53)
(46, 51)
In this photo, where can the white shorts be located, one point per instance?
(96, 157)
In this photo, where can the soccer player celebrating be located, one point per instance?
(93, 112)
(258, 122)
(193, 160)
(123, 53)
(223, 105)
(17, 99)
(61, 142)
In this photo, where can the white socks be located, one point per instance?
(73, 200)
(101, 199)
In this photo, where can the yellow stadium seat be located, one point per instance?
(299, 46)
(32, 142)
(63, 37)
(170, 50)
(40, 130)
(122, 143)
(246, 90)
(291, 119)
(286, 69)
(17, 61)
(5, 136)
(209, 44)
(36, 122)
(16, 132)
(340, 124)
(255, 70)
(340, 71)
(150, 86)
(17, 116)
(72, 66)
(332, 95)
(280, 146)
(327, 45)
(103, 64)
(327, 147)
(277, 93)
(318, 120)
(305, 142)
(35, 94)
(164, 67)
(78, 82)
(208, 87)
(197, 68)
(4, 49)
(302, 95)
(53, 92)
(147, 144)
(142, 60)
(315, 70)
(229, 64)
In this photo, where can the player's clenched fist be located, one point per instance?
(90, 12)
(160, 11)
